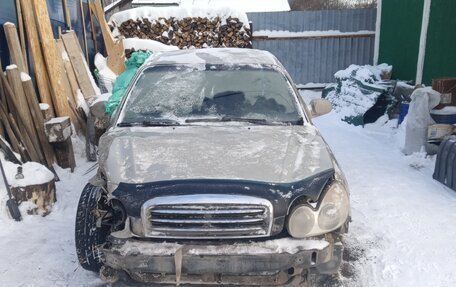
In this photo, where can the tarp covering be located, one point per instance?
(359, 88)
(124, 79)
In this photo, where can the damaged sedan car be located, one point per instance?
(212, 173)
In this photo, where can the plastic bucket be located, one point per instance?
(403, 111)
(446, 115)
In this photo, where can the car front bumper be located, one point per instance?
(271, 262)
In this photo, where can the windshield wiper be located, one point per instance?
(234, 119)
(251, 120)
(150, 123)
(197, 120)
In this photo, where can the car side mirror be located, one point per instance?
(320, 107)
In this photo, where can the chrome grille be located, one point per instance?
(207, 216)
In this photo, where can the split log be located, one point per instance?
(14, 46)
(39, 66)
(51, 55)
(199, 32)
(42, 195)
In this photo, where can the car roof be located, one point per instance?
(216, 56)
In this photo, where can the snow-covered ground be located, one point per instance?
(402, 231)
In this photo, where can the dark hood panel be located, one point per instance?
(279, 194)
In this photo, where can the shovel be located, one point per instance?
(10, 203)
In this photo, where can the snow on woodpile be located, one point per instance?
(184, 27)
(245, 5)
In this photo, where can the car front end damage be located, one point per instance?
(230, 232)
(279, 262)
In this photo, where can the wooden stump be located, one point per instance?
(58, 132)
(42, 195)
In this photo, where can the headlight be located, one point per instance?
(332, 212)
(334, 208)
(301, 221)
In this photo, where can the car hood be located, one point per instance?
(275, 154)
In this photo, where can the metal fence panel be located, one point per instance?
(317, 59)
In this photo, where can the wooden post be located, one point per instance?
(14, 46)
(25, 139)
(45, 112)
(58, 132)
(92, 26)
(41, 74)
(26, 131)
(38, 121)
(12, 73)
(84, 33)
(51, 55)
(21, 33)
(66, 13)
(13, 140)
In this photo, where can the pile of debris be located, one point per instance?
(362, 94)
(198, 32)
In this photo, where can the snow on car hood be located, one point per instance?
(276, 154)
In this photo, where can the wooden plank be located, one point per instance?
(114, 48)
(21, 33)
(39, 66)
(71, 77)
(14, 47)
(79, 64)
(54, 63)
(38, 121)
(72, 98)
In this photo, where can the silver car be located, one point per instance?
(213, 173)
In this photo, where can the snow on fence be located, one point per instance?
(313, 45)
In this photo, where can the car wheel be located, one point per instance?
(89, 237)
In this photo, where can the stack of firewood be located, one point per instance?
(198, 32)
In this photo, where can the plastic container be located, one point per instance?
(403, 111)
(447, 115)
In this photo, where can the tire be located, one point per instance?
(88, 237)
